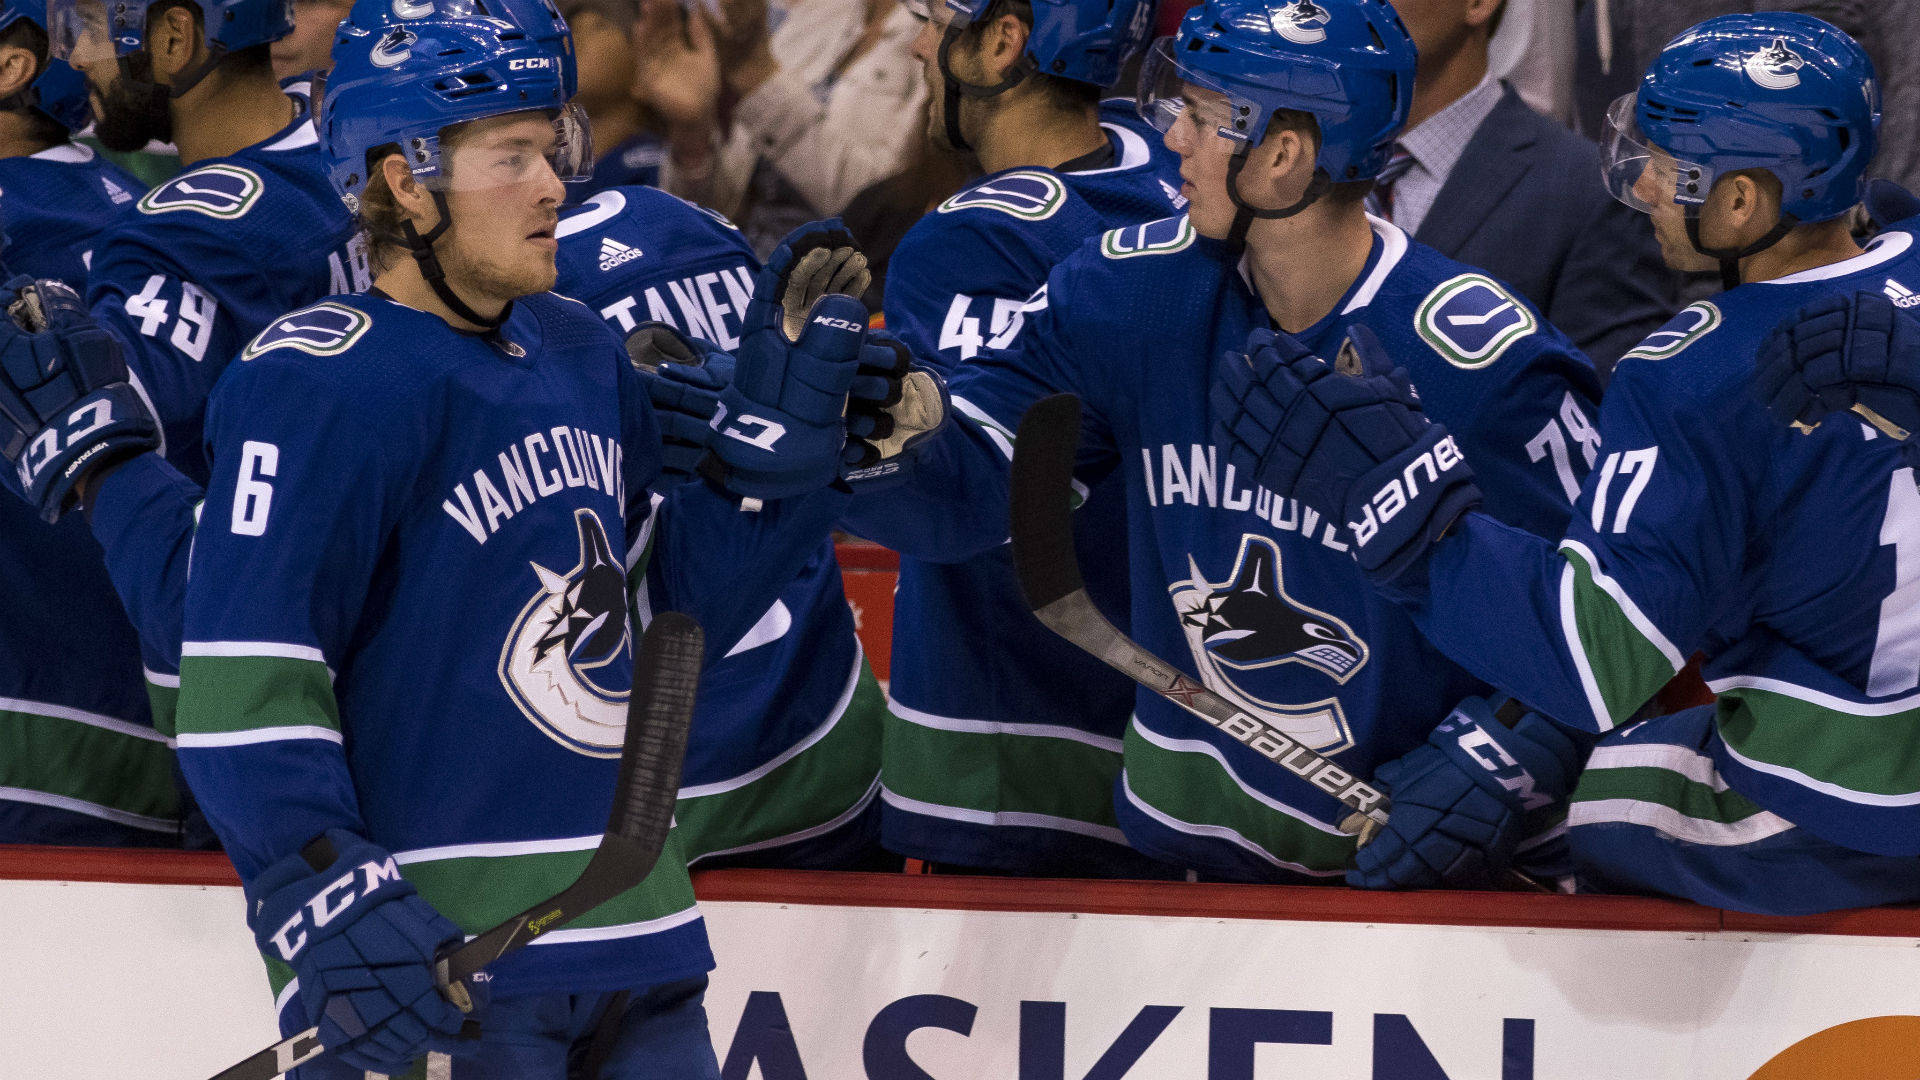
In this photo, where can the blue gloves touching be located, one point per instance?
(1351, 443)
(1842, 352)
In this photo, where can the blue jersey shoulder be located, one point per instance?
(275, 192)
(56, 204)
(1462, 314)
(638, 254)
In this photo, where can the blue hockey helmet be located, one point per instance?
(1348, 63)
(1088, 41)
(59, 91)
(539, 18)
(1778, 91)
(405, 84)
(90, 31)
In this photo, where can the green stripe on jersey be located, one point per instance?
(165, 703)
(1000, 772)
(1627, 666)
(1866, 756)
(815, 786)
(1194, 789)
(96, 765)
(1668, 788)
(480, 892)
(222, 694)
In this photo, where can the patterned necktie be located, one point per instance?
(1380, 202)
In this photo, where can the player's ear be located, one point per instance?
(173, 41)
(412, 199)
(1002, 45)
(1481, 12)
(1284, 164)
(18, 66)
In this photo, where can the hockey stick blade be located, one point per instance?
(666, 674)
(1044, 560)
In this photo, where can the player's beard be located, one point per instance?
(132, 114)
(489, 276)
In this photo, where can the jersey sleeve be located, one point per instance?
(1589, 629)
(300, 504)
(165, 308)
(955, 505)
(143, 516)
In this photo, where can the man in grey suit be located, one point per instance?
(1486, 180)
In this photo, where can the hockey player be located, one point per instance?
(1254, 593)
(783, 763)
(1706, 526)
(80, 762)
(462, 425)
(1012, 768)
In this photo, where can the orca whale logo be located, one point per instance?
(1775, 67)
(574, 625)
(1247, 622)
(393, 49)
(1302, 22)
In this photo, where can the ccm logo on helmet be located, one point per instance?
(1391, 499)
(531, 63)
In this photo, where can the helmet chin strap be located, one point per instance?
(422, 249)
(1246, 213)
(955, 89)
(1729, 258)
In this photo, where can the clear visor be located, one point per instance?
(941, 13)
(506, 151)
(78, 31)
(1166, 96)
(1641, 174)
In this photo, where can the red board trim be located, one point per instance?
(1148, 898)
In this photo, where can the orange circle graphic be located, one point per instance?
(1877, 1048)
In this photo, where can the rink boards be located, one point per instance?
(128, 964)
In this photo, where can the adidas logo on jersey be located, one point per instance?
(1901, 296)
(614, 253)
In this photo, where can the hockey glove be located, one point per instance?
(1460, 797)
(1889, 204)
(781, 427)
(66, 408)
(1841, 351)
(893, 407)
(684, 377)
(363, 945)
(1351, 443)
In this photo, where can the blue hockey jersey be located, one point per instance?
(207, 258)
(408, 612)
(786, 742)
(80, 761)
(1255, 595)
(1791, 561)
(1006, 739)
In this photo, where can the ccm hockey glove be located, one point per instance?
(66, 408)
(684, 377)
(1351, 442)
(1459, 799)
(894, 407)
(1840, 352)
(781, 426)
(363, 945)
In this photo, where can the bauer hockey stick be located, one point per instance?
(666, 673)
(1049, 572)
